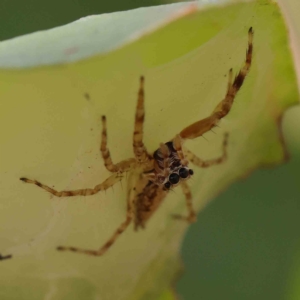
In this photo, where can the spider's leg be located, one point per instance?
(192, 217)
(229, 84)
(166, 153)
(109, 182)
(222, 109)
(131, 195)
(207, 163)
(139, 149)
(120, 167)
(177, 144)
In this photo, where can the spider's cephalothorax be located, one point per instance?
(152, 176)
(169, 168)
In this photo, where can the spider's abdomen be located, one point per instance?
(147, 203)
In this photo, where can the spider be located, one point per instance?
(152, 176)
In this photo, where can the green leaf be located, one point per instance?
(50, 131)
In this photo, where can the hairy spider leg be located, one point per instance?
(120, 167)
(177, 144)
(131, 195)
(222, 109)
(192, 217)
(109, 182)
(207, 163)
(229, 84)
(166, 153)
(105, 151)
(139, 148)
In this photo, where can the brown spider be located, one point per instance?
(151, 176)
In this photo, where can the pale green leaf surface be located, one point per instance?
(51, 132)
(290, 10)
(92, 35)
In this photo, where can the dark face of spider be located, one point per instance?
(183, 172)
(174, 178)
(177, 171)
(167, 185)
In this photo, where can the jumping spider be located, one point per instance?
(151, 176)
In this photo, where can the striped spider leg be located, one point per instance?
(152, 176)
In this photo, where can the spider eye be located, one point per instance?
(191, 172)
(174, 178)
(167, 185)
(183, 172)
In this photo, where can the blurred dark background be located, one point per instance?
(246, 244)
